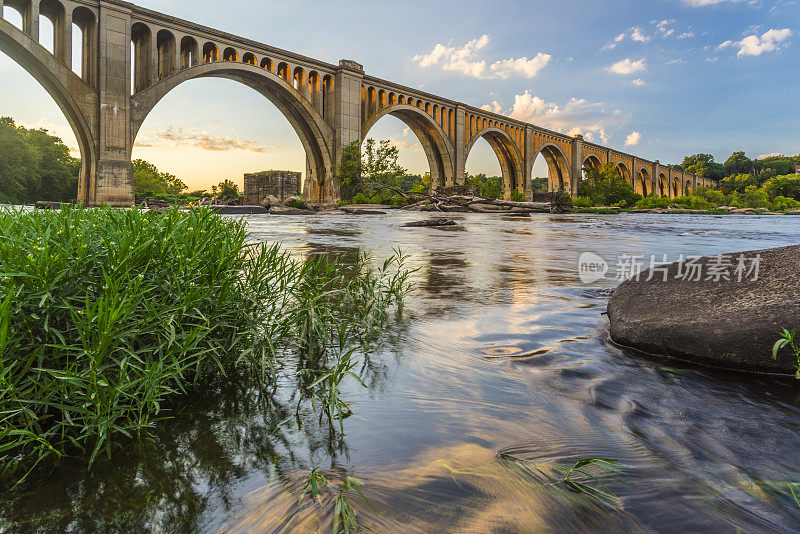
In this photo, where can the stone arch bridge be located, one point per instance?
(131, 57)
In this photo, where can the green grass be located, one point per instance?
(106, 317)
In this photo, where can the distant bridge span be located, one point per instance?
(329, 106)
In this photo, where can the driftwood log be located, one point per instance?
(476, 205)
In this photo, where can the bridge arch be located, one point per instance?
(592, 162)
(306, 121)
(558, 172)
(437, 147)
(676, 187)
(624, 172)
(643, 182)
(73, 96)
(663, 185)
(508, 155)
(688, 188)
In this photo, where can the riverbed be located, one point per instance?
(501, 348)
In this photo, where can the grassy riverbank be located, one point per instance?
(106, 316)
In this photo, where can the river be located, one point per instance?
(501, 348)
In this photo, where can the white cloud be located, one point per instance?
(638, 82)
(578, 116)
(765, 156)
(524, 67)
(633, 139)
(627, 66)
(753, 45)
(201, 139)
(638, 36)
(465, 59)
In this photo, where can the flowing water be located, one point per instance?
(501, 349)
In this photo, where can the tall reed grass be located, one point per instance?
(106, 316)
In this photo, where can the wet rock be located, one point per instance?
(723, 324)
(743, 211)
(285, 210)
(270, 201)
(297, 203)
(238, 210)
(430, 223)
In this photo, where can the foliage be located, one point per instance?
(35, 165)
(539, 185)
(737, 182)
(149, 182)
(106, 316)
(605, 187)
(560, 201)
(372, 170)
(602, 467)
(490, 187)
(783, 186)
(517, 196)
(703, 165)
(755, 198)
(226, 189)
(344, 514)
(787, 339)
(784, 204)
(582, 202)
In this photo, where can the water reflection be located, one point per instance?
(500, 349)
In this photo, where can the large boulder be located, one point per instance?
(269, 201)
(725, 324)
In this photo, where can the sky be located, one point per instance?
(658, 78)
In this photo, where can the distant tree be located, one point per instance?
(783, 186)
(370, 170)
(737, 182)
(605, 187)
(148, 181)
(17, 161)
(772, 166)
(35, 165)
(539, 185)
(738, 163)
(490, 186)
(703, 165)
(226, 189)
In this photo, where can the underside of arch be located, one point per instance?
(313, 131)
(508, 155)
(55, 77)
(558, 175)
(435, 144)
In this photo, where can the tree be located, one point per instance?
(738, 163)
(372, 171)
(606, 187)
(737, 182)
(35, 165)
(17, 163)
(783, 186)
(226, 189)
(703, 165)
(490, 186)
(148, 181)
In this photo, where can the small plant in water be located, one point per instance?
(788, 338)
(344, 514)
(314, 483)
(569, 481)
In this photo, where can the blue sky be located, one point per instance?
(661, 78)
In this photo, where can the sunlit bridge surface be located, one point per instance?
(500, 350)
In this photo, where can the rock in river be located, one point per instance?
(725, 324)
(430, 223)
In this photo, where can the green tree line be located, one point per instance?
(35, 165)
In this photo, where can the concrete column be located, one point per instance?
(68, 39)
(634, 173)
(460, 145)
(2, 7)
(31, 21)
(527, 157)
(346, 109)
(577, 165)
(654, 179)
(114, 171)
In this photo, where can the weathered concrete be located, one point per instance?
(329, 106)
(279, 184)
(726, 324)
